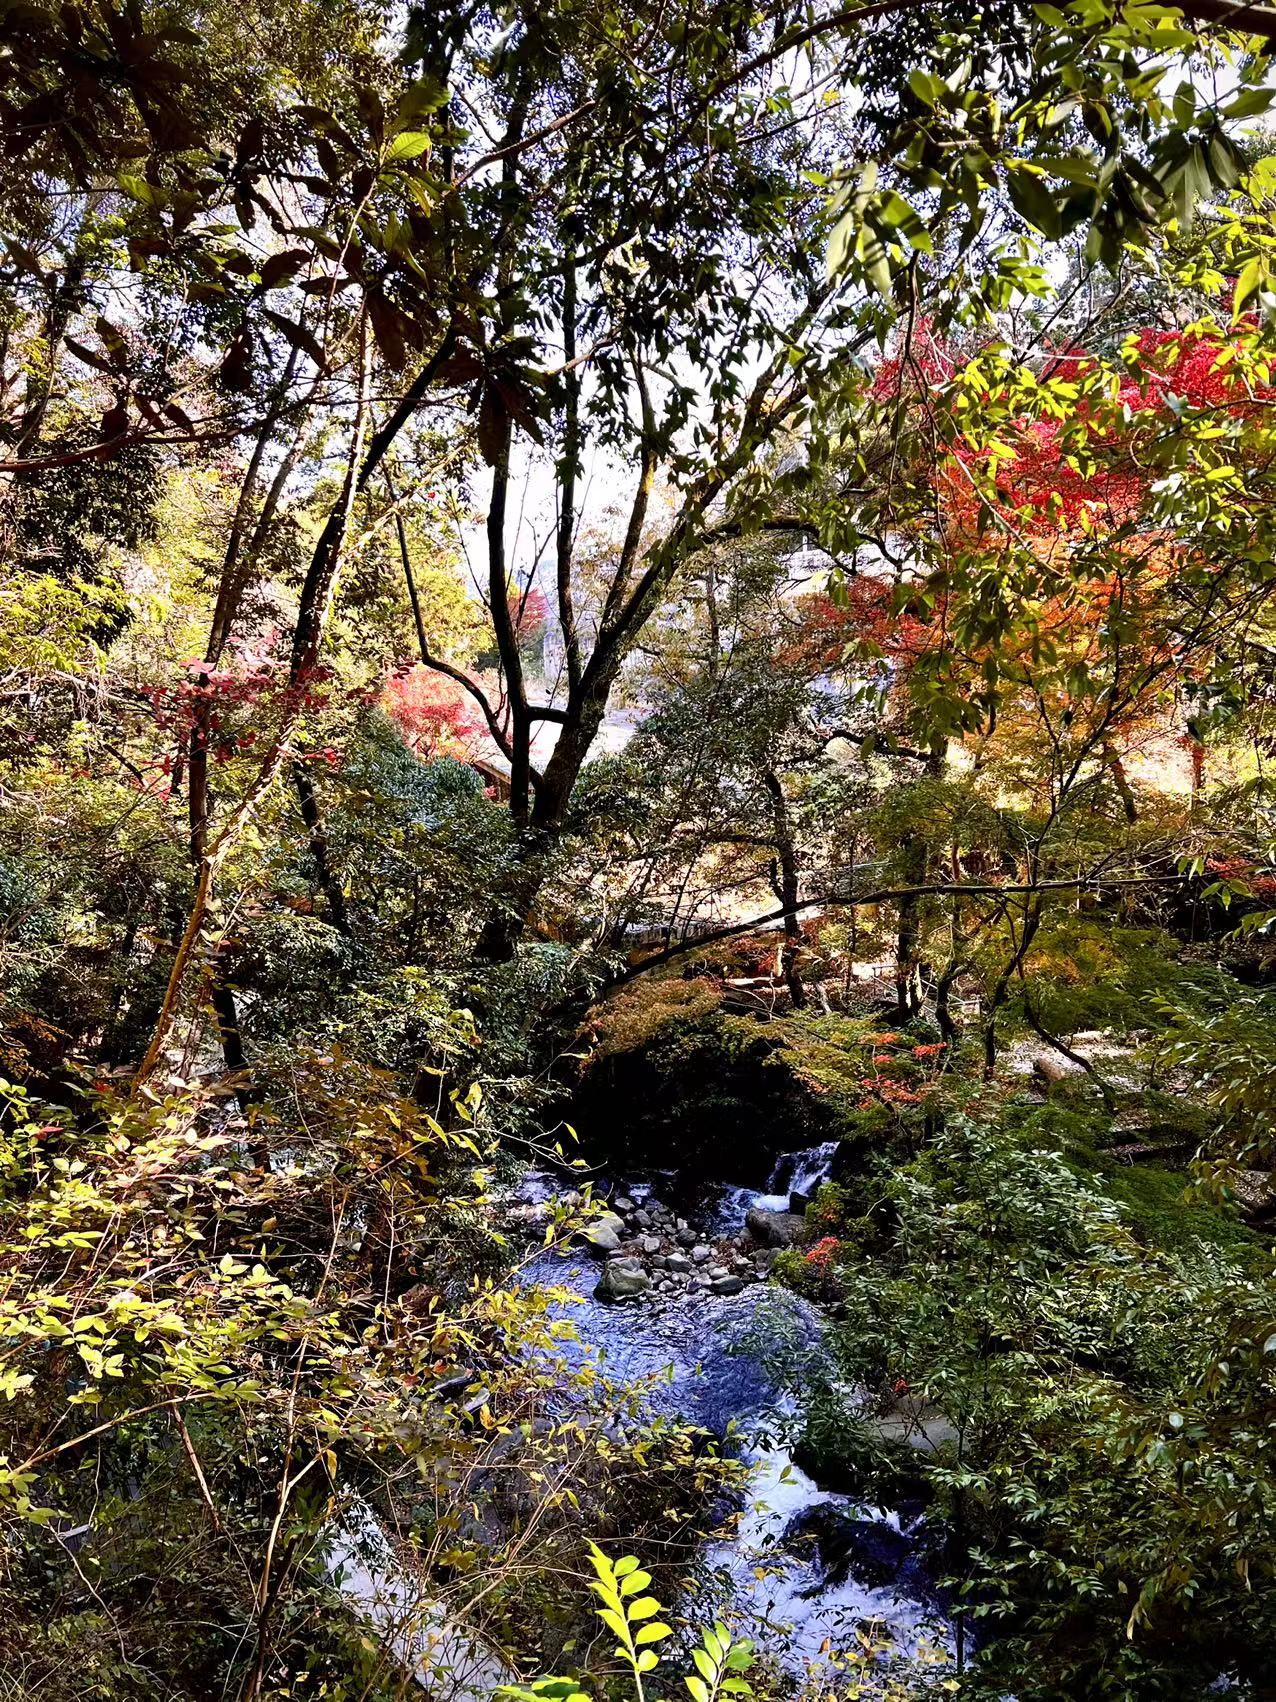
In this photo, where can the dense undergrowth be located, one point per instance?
(592, 593)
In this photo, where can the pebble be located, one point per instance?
(701, 1255)
(678, 1263)
(650, 1244)
(727, 1285)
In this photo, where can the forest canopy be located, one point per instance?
(637, 863)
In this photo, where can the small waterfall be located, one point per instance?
(802, 1172)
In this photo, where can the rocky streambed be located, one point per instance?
(649, 1249)
(674, 1295)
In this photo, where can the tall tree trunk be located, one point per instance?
(908, 980)
(325, 877)
(533, 860)
(66, 300)
(311, 614)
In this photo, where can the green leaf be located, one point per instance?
(614, 1621)
(896, 212)
(698, 1688)
(1249, 103)
(643, 1608)
(296, 333)
(1034, 202)
(874, 260)
(841, 245)
(1224, 165)
(408, 146)
(1249, 281)
(139, 190)
(653, 1633)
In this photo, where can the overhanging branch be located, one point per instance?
(887, 895)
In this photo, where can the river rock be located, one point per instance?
(622, 1279)
(686, 1237)
(605, 1234)
(678, 1263)
(868, 1550)
(701, 1255)
(911, 1419)
(643, 1219)
(623, 1203)
(798, 1201)
(650, 1244)
(775, 1228)
(726, 1284)
(1050, 1070)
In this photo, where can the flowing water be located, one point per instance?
(807, 1568)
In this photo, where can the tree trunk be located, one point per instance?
(1116, 768)
(325, 879)
(948, 1030)
(515, 898)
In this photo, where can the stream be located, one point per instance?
(830, 1566)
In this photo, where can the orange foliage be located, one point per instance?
(436, 715)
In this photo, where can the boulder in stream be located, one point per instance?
(911, 1419)
(869, 1550)
(775, 1228)
(622, 1279)
(605, 1234)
